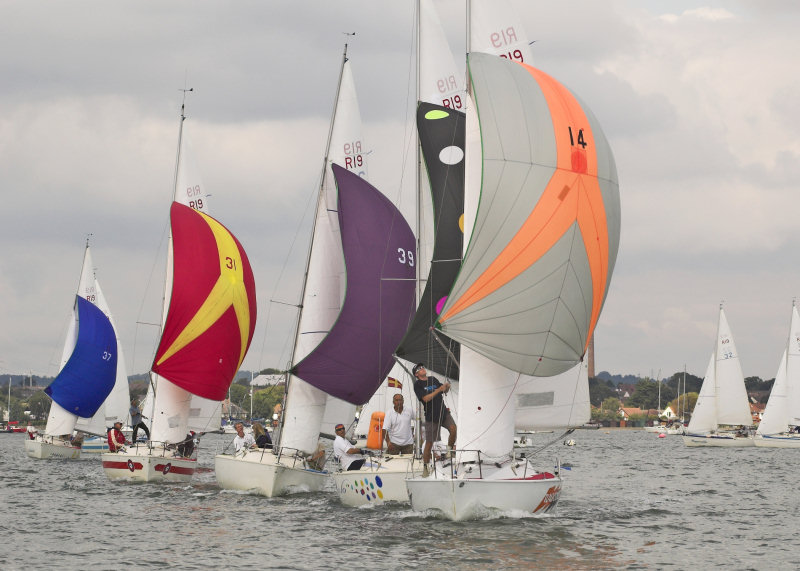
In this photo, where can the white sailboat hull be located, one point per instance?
(777, 441)
(266, 474)
(141, 463)
(718, 440)
(377, 482)
(45, 447)
(460, 498)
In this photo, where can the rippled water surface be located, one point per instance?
(630, 500)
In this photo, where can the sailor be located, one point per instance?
(350, 457)
(429, 391)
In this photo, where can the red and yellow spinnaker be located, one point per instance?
(212, 311)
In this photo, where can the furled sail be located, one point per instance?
(356, 354)
(441, 133)
(545, 237)
(212, 309)
(89, 375)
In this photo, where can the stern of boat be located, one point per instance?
(264, 473)
(458, 494)
(46, 447)
(145, 463)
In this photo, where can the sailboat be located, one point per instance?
(780, 423)
(88, 372)
(542, 214)
(209, 316)
(346, 330)
(721, 416)
(440, 200)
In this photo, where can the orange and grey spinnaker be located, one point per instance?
(543, 245)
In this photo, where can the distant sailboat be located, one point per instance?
(88, 373)
(780, 423)
(208, 320)
(721, 416)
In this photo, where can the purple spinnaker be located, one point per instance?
(356, 355)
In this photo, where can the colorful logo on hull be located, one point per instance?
(549, 500)
(371, 490)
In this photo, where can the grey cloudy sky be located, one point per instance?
(697, 99)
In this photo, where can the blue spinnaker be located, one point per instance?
(89, 375)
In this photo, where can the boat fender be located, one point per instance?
(375, 434)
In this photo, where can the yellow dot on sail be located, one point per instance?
(436, 114)
(461, 223)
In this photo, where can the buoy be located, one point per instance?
(662, 435)
(375, 430)
(570, 442)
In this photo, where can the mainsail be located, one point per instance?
(310, 411)
(783, 407)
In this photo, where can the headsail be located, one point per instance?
(546, 234)
(356, 355)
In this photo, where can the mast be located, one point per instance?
(311, 241)
(168, 279)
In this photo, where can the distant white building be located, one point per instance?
(268, 380)
(668, 413)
